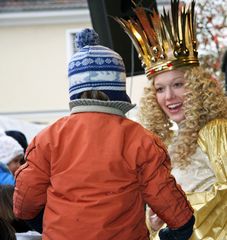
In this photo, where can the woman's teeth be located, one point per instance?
(173, 106)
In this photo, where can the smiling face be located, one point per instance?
(170, 91)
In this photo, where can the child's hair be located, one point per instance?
(95, 94)
(7, 232)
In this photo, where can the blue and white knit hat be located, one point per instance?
(95, 67)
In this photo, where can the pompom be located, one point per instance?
(86, 37)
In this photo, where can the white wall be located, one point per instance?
(33, 67)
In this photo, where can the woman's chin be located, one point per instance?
(177, 118)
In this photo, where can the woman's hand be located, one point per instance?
(154, 221)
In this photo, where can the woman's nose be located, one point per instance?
(169, 93)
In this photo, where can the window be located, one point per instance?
(70, 41)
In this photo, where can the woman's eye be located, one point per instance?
(178, 84)
(159, 89)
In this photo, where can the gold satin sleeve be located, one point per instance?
(213, 141)
(210, 207)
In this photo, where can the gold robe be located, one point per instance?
(210, 207)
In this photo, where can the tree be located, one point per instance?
(212, 33)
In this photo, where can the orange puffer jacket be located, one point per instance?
(93, 173)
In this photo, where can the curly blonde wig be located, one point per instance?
(204, 101)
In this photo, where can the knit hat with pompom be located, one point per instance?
(95, 67)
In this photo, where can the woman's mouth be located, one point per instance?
(175, 107)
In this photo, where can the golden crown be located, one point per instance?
(163, 42)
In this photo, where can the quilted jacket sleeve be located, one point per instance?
(160, 189)
(32, 181)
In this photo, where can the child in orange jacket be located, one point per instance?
(94, 170)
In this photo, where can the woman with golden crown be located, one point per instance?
(182, 92)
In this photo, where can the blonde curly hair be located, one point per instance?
(204, 101)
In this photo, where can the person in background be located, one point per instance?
(7, 232)
(11, 154)
(20, 227)
(93, 171)
(182, 92)
(19, 136)
(6, 177)
(6, 209)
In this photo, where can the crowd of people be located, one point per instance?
(13, 145)
(98, 175)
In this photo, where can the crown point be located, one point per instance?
(169, 39)
(155, 50)
(176, 54)
(154, 59)
(144, 65)
(162, 56)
